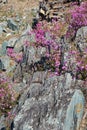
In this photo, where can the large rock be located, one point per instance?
(34, 54)
(31, 55)
(2, 123)
(82, 32)
(8, 63)
(81, 38)
(3, 25)
(75, 111)
(20, 42)
(12, 25)
(48, 105)
(4, 45)
(1, 30)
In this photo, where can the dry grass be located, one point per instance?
(14, 7)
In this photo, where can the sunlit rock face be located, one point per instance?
(81, 38)
(50, 103)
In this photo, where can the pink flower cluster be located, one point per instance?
(16, 56)
(7, 95)
(51, 42)
(78, 18)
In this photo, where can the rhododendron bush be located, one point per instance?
(79, 15)
(7, 96)
(78, 18)
(46, 36)
(46, 33)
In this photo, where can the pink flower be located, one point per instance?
(86, 67)
(82, 67)
(9, 51)
(26, 43)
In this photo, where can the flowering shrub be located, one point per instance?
(80, 61)
(7, 96)
(46, 36)
(78, 18)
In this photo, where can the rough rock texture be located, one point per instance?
(8, 64)
(2, 124)
(81, 38)
(45, 102)
(11, 24)
(50, 103)
(3, 1)
(31, 55)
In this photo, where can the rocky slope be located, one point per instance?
(45, 101)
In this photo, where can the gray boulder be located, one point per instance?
(31, 54)
(11, 24)
(4, 45)
(8, 64)
(48, 105)
(1, 30)
(3, 25)
(19, 43)
(2, 122)
(81, 38)
(75, 112)
(12, 41)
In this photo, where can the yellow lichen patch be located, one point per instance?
(12, 63)
(10, 74)
(78, 107)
